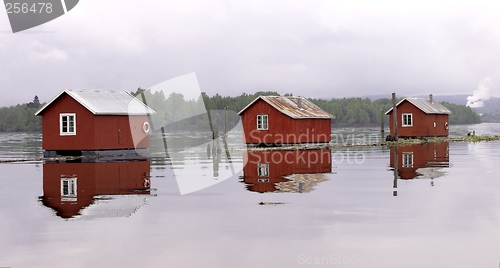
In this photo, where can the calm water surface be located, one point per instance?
(132, 214)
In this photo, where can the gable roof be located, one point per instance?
(103, 102)
(425, 106)
(288, 105)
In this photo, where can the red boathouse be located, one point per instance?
(420, 118)
(88, 121)
(273, 120)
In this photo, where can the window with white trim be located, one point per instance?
(67, 124)
(262, 122)
(263, 170)
(407, 120)
(68, 189)
(408, 160)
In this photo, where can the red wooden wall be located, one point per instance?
(283, 129)
(423, 124)
(98, 132)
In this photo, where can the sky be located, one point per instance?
(319, 49)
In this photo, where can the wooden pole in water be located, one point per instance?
(225, 121)
(396, 163)
(210, 124)
(381, 120)
(396, 155)
(395, 116)
(382, 125)
(164, 141)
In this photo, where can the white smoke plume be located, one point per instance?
(481, 94)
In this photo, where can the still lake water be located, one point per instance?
(132, 214)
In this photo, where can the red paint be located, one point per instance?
(108, 178)
(283, 163)
(423, 124)
(427, 155)
(93, 132)
(282, 128)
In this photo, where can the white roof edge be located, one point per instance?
(69, 92)
(50, 102)
(250, 104)
(71, 95)
(408, 99)
(83, 104)
(144, 104)
(277, 108)
(397, 104)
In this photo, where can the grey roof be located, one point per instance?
(425, 105)
(103, 102)
(289, 106)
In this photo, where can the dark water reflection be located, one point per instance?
(285, 171)
(351, 219)
(421, 160)
(93, 190)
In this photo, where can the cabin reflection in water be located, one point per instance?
(96, 190)
(417, 161)
(285, 170)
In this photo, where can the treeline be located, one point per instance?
(356, 111)
(364, 112)
(347, 111)
(461, 114)
(171, 111)
(491, 117)
(20, 118)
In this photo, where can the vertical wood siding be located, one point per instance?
(93, 132)
(423, 124)
(282, 128)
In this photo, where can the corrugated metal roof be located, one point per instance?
(289, 106)
(103, 102)
(425, 105)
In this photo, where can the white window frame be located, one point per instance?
(407, 160)
(263, 170)
(403, 120)
(262, 122)
(263, 180)
(67, 133)
(71, 195)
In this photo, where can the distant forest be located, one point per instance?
(347, 111)
(21, 118)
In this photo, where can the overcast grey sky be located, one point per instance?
(319, 49)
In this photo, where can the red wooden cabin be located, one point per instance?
(285, 170)
(69, 188)
(91, 121)
(272, 120)
(420, 118)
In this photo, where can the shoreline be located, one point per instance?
(400, 142)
